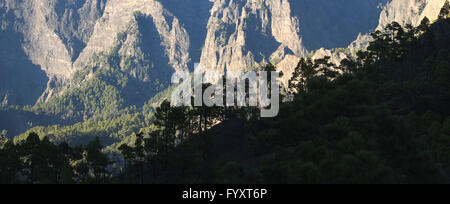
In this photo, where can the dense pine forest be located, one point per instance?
(382, 117)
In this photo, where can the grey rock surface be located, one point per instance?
(43, 43)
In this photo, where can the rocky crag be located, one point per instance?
(45, 43)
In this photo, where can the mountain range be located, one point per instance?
(71, 60)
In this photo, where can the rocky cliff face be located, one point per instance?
(410, 11)
(120, 14)
(55, 38)
(44, 43)
(47, 36)
(242, 34)
(403, 12)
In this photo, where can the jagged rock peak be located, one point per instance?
(60, 37)
(401, 11)
(410, 11)
(236, 30)
(117, 17)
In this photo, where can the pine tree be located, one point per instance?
(9, 163)
(3, 138)
(135, 156)
(445, 11)
(423, 27)
(303, 72)
(29, 152)
(97, 160)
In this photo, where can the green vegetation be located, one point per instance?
(106, 89)
(99, 95)
(113, 88)
(381, 118)
(346, 51)
(39, 161)
(109, 131)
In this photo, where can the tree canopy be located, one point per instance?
(382, 117)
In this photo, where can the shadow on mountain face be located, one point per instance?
(323, 23)
(21, 81)
(194, 16)
(253, 43)
(75, 22)
(332, 24)
(154, 73)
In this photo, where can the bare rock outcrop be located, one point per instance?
(403, 12)
(44, 43)
(59, 37)
(117, 17)
(242, 34)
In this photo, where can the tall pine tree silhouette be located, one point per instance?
(445, 11)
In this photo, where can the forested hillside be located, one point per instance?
(72, 69)
(380, 118)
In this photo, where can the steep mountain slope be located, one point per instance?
(403, 12)
(193, 15)
(237, 29)
(24, 26)
(61, 37)
(75, 60)
(80, 59)
(410, 11)
(21, 81)
(339, 23)
(119, 13)
(242, 34)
